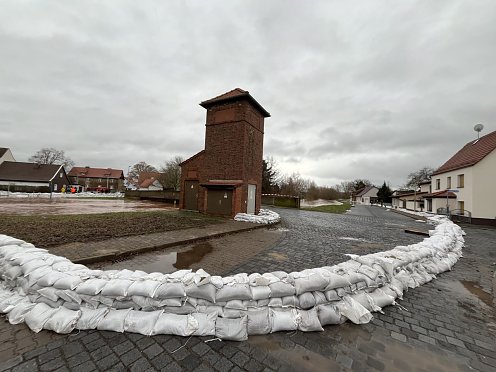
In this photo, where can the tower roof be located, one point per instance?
(234, 95)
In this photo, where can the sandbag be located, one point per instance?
(146, 288)
(91, 287)
(141, 321)
(309, 321)
(174, 324)
(89, 318)
(113, 321)
(234, 292)
(283, 319)
(281, 289)
(38, 316)
(206, 324)
(205, 291)
(354, 311)
(18, 312)
(329, 314)
(232, 329)
(63, 320)
(116, 287)
(258, 322)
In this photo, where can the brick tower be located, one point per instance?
(226, 177)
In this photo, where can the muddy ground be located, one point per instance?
(51, 230)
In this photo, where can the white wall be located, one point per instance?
(7, 156)
(465, 193)
(484, 201)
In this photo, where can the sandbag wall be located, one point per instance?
(50, 292)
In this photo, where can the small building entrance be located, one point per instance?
(219, 201)
(191, 195)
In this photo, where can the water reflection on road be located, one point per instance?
(58, 206)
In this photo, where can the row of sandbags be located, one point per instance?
(264, 216)
(50, 292)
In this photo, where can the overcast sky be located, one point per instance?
(356, 89)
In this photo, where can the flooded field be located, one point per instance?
(26, 207)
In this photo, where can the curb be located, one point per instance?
(414, 216)
(494, 289)
(117, 254)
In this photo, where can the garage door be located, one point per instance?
(219, 201)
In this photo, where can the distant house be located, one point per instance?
(97, 179)
(6, 155)
(409, 199)
(466, 182)
(366, 196)
(32, 177)
(150, 181)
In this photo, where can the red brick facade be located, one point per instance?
(232, 158)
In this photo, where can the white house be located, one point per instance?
(466, 182)
(411, 199)
(367, 195)
(6, 155)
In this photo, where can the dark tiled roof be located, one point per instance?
(472, 153)
(440, 194)
(88, 172)
(28, 172)
(233, 95)
(3, 150)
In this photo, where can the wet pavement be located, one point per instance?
(445, 325)
(58, 206)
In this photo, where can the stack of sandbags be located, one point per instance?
(51, 292)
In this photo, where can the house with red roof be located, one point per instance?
(98, 179)
(465, 184)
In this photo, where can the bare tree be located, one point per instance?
(171, 173)
(49, 155)
(138, 168)
(414, 179)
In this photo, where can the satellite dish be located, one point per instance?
(478, 128)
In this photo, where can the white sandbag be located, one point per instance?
(232, 329)
(71, 305)
(68, 282)
(283, 319)
(12, 272)
(91, 287)
(113, 321)
(217, 310)
(90, 318)
(309, 321)
(116, 287)
(38, 316)
(281, 289)
(50, 278)
(62, 321)
(54, 304)
(354, 311)
(33, 265)
(206, 291)
(290, 301)
(180, 310)
(141, 321)
(258, 322)
(145, 288)
(275, 302)
(329, 314)
(233, 313)
(174, 324)
(315, 281)
(18, 312)
(49, 292)
(104, 300)
(206, 324)
(320, 298)
(332, 295)
(306, 300)
(380, 298)
(234, 292)
(89, 301)
(336, 281)
(68, 295)
(8, 303)
(260, 292)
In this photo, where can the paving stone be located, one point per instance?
(344, 360)
(108, 361)
(201, 348)
(485, 345)
(123, 348)
(203, 368)
(95, 345)
(427, 339)
(253, 366)
(28, 366)
(153, 350)
(374, 363)
(240, 358)
(398, 336)
(52, 364)
(455, 341)
(72, 348)
(223, 365)
(144, 343)
(10, 363)
(78, 359)
(130, 357)
(190, 362)
(140, 365)
(162, 361)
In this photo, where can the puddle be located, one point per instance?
(475, 289)
(166, 262)
(58, 206)
(334, 349)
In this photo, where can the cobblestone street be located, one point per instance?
(448, 324)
